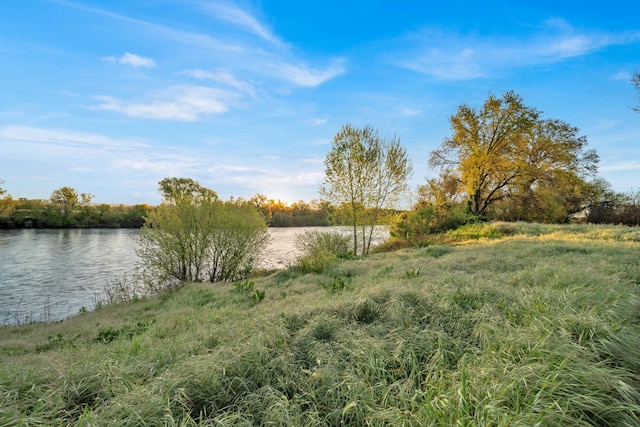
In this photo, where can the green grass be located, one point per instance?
(520, 325)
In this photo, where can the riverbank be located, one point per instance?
(514, 324)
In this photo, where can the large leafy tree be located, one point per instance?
(67, 204)
(551, 181)
(365, 174)
(505, 151)
(176, 189)
(67, 199)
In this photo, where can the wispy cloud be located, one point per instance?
(264, 178)
(273, 60)
(318, 121)
(240, 18)
(305, 76)
(148, 165)
(622, 75)
(180, 103)
(625, 165)
(131, 59)
(136, 165)
(153, 30)
(453, 56)
(136, 61)
(222, 77)
(238, 56)
(405, 110)
(81, 169)
(83, 152)
(63, 138)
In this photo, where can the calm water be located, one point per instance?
(50, 274)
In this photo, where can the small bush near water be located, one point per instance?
(539, 328)
(321, 249)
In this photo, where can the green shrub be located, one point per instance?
(193, 236)
(316, 262)
(321, 249)
(418, 225)
(314, 241)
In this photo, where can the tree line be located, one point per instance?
(66, 208)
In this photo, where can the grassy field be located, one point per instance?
(504, 325)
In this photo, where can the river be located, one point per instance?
(48, 275)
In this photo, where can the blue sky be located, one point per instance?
(245, 96)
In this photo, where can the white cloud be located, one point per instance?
(60, 151)
(232, 169)
(180, 103)
(319, 121)
(273, 60)
(318, 142)
(60, 138)
(136, 61)
(305, 76)
(627, 165)
(81, 169)
(258, 177)
(408, 111)
(446, 66)
(241, 18)
(102, 163)
(318, 161)
(622, 75)
(157, 167)
(109, 59)
(449, 56)
(569, 46)
(69, 93)
(222, 77)
(158, 30)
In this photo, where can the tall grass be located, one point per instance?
(541, 328)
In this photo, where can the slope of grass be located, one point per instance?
(539, 328)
